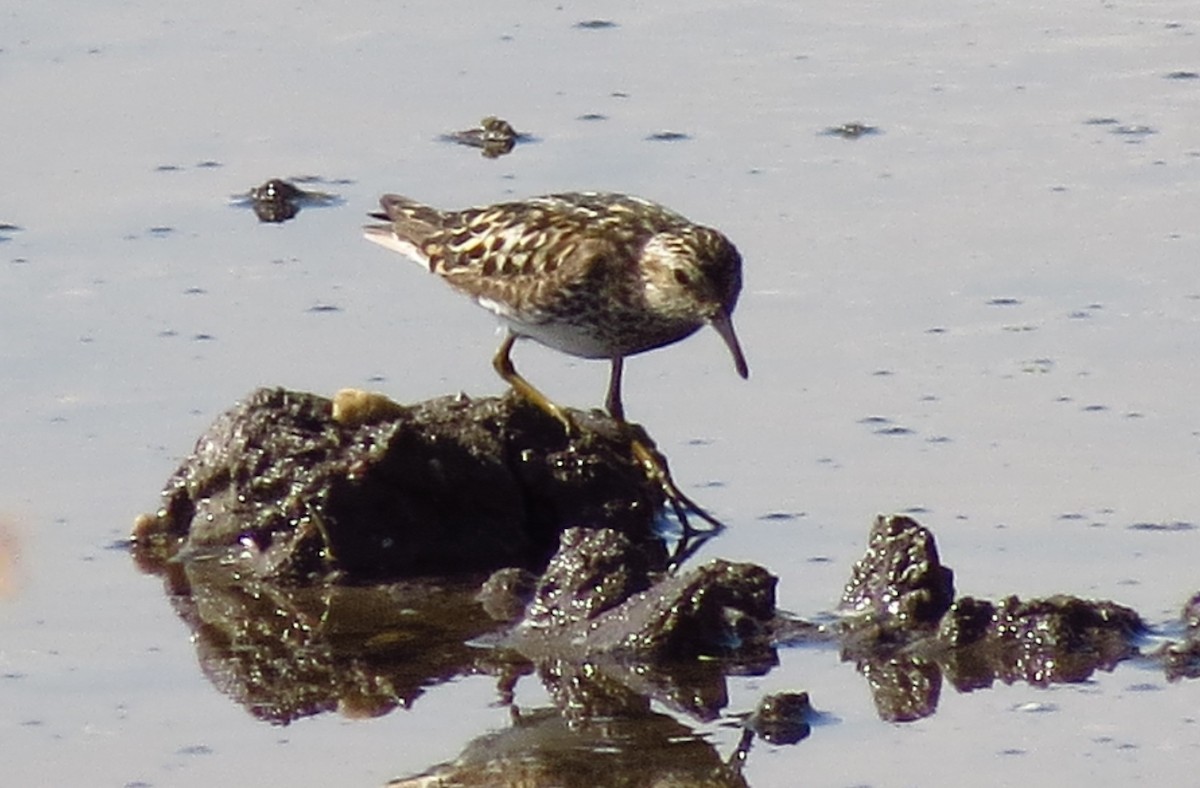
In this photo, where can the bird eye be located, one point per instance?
(681, 276)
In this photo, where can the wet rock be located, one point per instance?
(1040, 641)
(595, 597)
(1191, 615)
(278, 200)
(450, 485)
(1181, 659)
(851, 131)
(905, 632)
(494, 137)
(782, 718)
(593, 571)
(507, 592)
(607, 635)
(900, 583)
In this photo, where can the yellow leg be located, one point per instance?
(652, 462)
(655, 466)
(504, 366)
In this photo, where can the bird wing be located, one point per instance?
(410, 226)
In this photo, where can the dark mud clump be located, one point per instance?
(278, 200)
(906, 632)
(494, 137)
(294, 485)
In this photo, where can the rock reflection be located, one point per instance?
(286, 652)
(544, 749)
(607, 654)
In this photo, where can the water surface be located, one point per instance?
(988, 314)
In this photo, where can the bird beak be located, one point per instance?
(724, 326)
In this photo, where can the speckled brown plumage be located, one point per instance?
(592, 274)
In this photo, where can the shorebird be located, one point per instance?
(595, 275)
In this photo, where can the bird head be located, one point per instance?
(697, 271)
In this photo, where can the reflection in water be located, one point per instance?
(543, 749)
(285, 652)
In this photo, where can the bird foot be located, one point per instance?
(655, 466)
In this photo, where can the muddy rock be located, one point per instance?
(278, 200)
(906, 633)
(389, 490)
(1040, 641)
(596, 597)
(495, 137)
(900, 582)
(1181, 659)
(782, 718)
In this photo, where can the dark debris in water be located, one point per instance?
(668, 136)
(495, 137)
(278, 200)
(205, 164)
(1183, 75)
(851, 131)
(782, 718)
(1134, 130)
(1178, 525)
(885, 426)
(596, 24)
(780, 516)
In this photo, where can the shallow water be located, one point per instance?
(987, 314)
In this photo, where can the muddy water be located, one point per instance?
(987, 313)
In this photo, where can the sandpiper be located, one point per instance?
(595, 275)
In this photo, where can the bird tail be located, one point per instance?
(410, 224)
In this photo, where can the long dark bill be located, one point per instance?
(724, 326)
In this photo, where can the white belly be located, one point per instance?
(562, 336)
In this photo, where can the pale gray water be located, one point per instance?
(873, 272)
